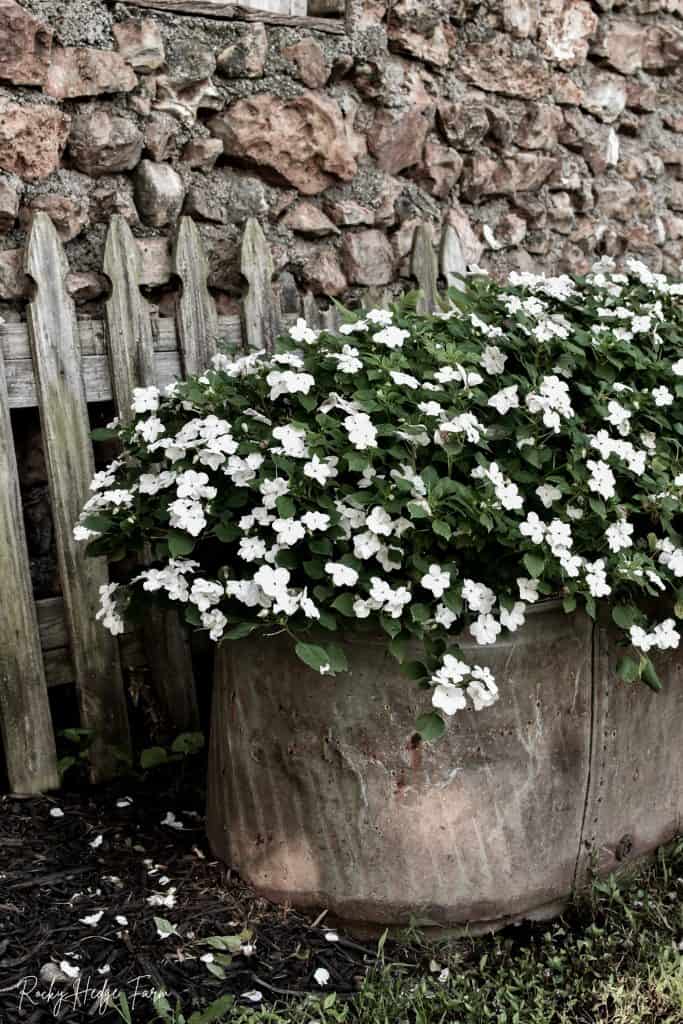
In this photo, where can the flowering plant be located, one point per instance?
(421, 475)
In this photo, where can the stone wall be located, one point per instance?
(544, 131)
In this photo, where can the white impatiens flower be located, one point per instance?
(528, 589)
(619, 535)
(289, 531)
(670, 556)
(505, 400)
(194, 485)
(493, 360)
(466, 423)
(485, 629)
(321, 470)
(287, 382)
(449, 698)
(187, 515)
(436, 580)
(362, 433)
(619, 417)
(302, 333)
(109, 614)
(482, 689)
(548, 494)
(292, 440)
(444, 616)
(533, 528)
(391, 337)
(206, 593)
(347, 360)
(662, 396)
(666, 636)
(596, 578)
(677, 367)
(478, 596)
(404, 380)
(342, 575)
(380, 522)
(601, 479)
(514, 618)
(251, 549)
(271, 490)
(145, 400)
(316, 521)
(215, 621)
(380, 317)
(150, 429)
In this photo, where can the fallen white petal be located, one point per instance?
(120, 919)
(172, 821)
(253, 995)
(97, 842)
(70, 970)
(93, 919)
(322, 976)
(331, 937)
(56, 812)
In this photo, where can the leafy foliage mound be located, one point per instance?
(420, 475)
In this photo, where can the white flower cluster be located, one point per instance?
(427, 477)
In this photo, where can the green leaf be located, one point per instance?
(441, 528)
(188, 743)
(103, 434)
(416, 510)
(226, 532)
(214, 1012)
(430, 726)
(392, 627)
(535, 564)
(285, 507)
(628, 669)
(318, 657)
(344, 605)
(624, 615)
(152, 757)
(180, 543)
(399, 646)
(415, 670)
(164, 927)
(569, 604)
(649, 675)
(98, 522)
(240, 630)
(419, 612)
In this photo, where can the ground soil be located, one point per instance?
(56, 871)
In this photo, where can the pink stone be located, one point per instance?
(304, 140)
(368, 258)
(309, 59)
(32, 137)
(85, 71)
(565, 29)
(25, 45)
(308, 219)
(140, 43)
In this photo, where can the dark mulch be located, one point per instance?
(56, 871)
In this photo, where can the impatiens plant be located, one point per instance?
(423, 476)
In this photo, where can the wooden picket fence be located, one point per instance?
(59, 364)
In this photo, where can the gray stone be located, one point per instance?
(159, 193)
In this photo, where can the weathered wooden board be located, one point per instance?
(132, 365)
(292, 15)
(424, 269)
(196, 313)
(95, 368)
(131, 347)
(25, 721)
(262, 322)
(452, 258)
(69, 459)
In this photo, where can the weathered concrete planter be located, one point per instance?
(321, 795)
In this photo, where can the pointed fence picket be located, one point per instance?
(60, 365)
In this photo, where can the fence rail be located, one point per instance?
(59, 365)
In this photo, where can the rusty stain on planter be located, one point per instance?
(321, 795)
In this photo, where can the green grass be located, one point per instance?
(614, 958)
